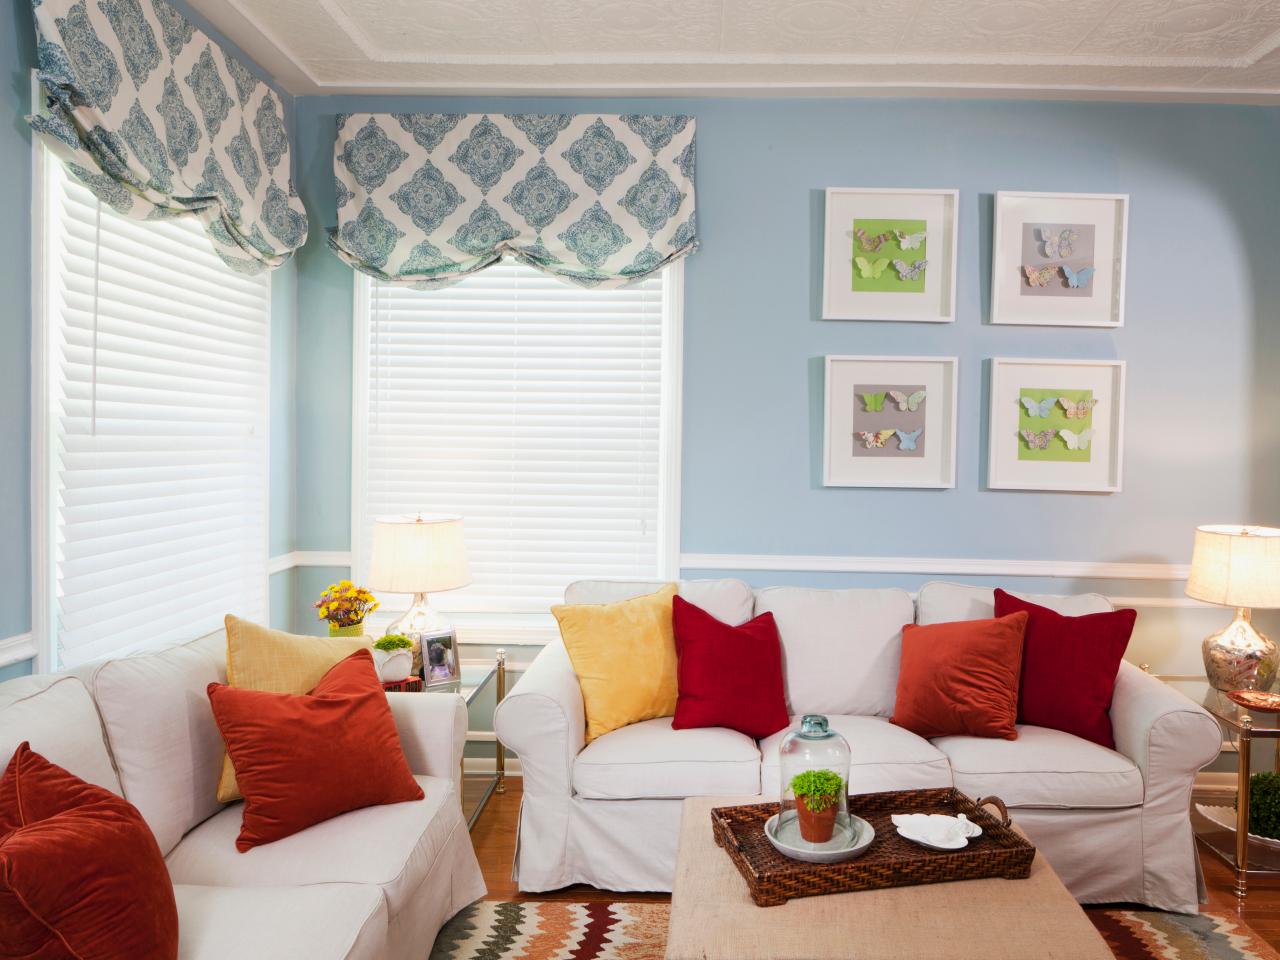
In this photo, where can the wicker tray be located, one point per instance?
(890, 862)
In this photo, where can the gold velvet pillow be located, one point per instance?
(276, 662)
(624, 654)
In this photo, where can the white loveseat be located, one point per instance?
(373, 884)
(1114, 823)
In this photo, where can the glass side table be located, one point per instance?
(476, 675)
(1240, 727)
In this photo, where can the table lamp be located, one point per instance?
(1239, 567)
(420, 555)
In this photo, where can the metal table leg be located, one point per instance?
(1242, 808)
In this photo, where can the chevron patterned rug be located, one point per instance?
(561, 930)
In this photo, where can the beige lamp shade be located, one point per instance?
(1236, 566)
(422, 554)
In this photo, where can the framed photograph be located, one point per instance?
(890, 422)
(890, 255)
(1056, 425)
(1058, 259)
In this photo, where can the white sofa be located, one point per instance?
(373, 884)
(1114, 823)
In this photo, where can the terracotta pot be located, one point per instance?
(816, 827)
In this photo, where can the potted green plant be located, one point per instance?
(393, 656)
(816, 792)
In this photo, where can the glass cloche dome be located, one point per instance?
(814, 763)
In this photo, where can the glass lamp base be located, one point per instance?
(1238, 657)
(435, 654)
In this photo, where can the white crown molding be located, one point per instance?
(308, 558)
(16, 649)
(936, 566)
(243, 22)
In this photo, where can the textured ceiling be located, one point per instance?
(1213, 50)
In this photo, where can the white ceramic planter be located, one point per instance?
(393, 665)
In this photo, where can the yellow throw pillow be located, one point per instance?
(624, 654)
(276, 662)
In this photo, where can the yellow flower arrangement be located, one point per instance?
(344, 604)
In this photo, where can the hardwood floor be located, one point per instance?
(495, 841)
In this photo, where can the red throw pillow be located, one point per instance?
(81, 875)
(1069, 667)
(728, 676)
(303, 759)
(961, 678)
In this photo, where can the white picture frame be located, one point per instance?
(930, 299)
(1014, 463)
(926, 457)
(1027, 228)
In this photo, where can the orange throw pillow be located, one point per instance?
(303, 759)
(961, 678)
(80, 873)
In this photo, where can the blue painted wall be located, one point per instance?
(1202, 332)
(17, 59)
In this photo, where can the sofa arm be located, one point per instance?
(543, 720)
(1169, 738)
(1163, 732)
(433, 733)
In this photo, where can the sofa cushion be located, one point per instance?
(392, 847)
(884, 757)
(56, 715)
(166, 746)
(727, 600)
(650, 760)
(840, 648)
(1043, 768)
(338, 921)
(940, 602)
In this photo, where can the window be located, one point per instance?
(543, 413)
(151, 429)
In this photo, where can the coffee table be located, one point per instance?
(713, 918)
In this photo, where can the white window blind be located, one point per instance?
(537, 411)
(155, 406)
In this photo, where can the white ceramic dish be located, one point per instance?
(973, 830)
(846, 843)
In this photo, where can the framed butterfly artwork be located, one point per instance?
(890, 255)
(1056, 425)
(1059, 259)
(890, 422)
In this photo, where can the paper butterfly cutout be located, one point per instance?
(1040, 408)
(1038, 440)
(1076, 441)
(1039, 276)
(911, 241)
(874, 438)
(1077, 411)
(1059, 244)
(874, 402)
(1077, 279)
(871, 244)
(869, 270)
(907, 441)
(906, 402)
(912, 272)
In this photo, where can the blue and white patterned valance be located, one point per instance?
(159, 121)
(427, 198)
